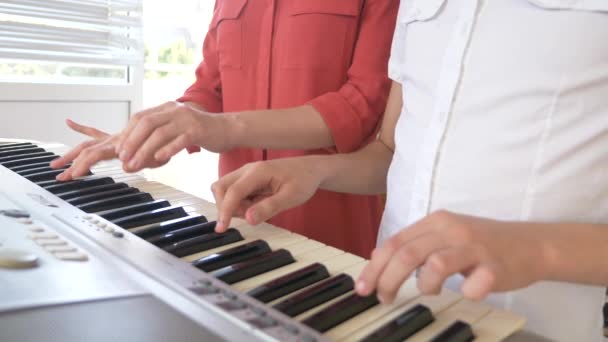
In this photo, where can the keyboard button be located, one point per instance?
(16, 258)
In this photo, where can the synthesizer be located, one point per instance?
(112, 256)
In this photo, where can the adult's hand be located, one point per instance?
(101, 147)
(259, 191)
(492, 256)
(161, 132)
(97, 137)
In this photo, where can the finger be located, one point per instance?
(89, 157)
(406, 259)
(238, 192)
(145, 153)
(220, 187)
(479, 284)
(174, 147)
(366, 283)
(134, 122)
(86, 130)
(140, 133)
(271, 205)
(71, 155)
(443, 264)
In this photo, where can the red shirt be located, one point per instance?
(331, 54)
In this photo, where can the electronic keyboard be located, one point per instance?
(111, 256)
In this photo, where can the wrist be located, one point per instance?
(233, 129)
(548, 258)
(325, 168)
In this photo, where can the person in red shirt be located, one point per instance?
(291, 78)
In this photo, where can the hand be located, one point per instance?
(97, 137)
(89, 153)
(161, 132)
(260, 190)
(85, 156)
(492, 256)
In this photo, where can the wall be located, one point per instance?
(38, 111)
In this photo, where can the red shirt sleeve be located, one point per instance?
(353, 112)
(207, 89)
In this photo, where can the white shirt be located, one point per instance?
(505, 116)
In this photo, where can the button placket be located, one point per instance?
(449, 80)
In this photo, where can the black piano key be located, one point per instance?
(116, 202)
(45, 175)
(12, 146)
(404, 326)
(289, 283)
(18, 152)
(182, 234)
(204, 243)
(101, 195)
(32, 166)
(253, 267)
(232, 256)
(457, 332)
(113, 214)
(4, 160)
(149, 217)
(340, 312)
(316, 295)
(91, 190)
(29, 160)
(162, 228)
(31, 171)
(605, 312)
(56, 187)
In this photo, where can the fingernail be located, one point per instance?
(253, 217)
(361, 287)
(221, 222)
(133, 164)
(123, 155)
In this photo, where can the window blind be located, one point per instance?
(80, 31)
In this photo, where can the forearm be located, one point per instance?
(362, 172)
(299, 128)
(576, 253)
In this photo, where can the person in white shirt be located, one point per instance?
(494, 155)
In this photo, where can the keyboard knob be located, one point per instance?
(16, 258)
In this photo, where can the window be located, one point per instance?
(173, 37)
(69, 41)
